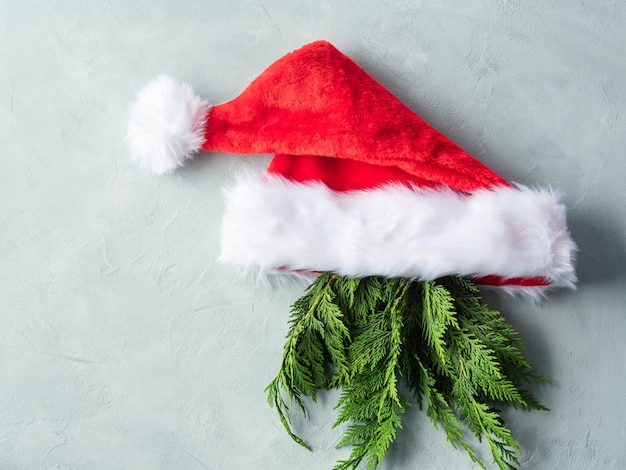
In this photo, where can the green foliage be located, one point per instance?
(457, 357)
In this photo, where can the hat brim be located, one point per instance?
(272, 224)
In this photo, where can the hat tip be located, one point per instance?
(166, 125)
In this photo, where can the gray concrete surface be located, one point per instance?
(124, 345)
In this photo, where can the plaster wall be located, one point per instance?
(124, 345)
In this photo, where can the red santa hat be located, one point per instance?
(359, 184)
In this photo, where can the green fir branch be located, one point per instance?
(372, 402)
(365, 335)
(303, 368)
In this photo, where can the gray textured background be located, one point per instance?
(123, 345)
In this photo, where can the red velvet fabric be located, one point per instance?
(317, 101)
(341, 175)
(514, 281)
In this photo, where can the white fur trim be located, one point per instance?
(166, 125)
(394, 231)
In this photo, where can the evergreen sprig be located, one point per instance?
(365, 335)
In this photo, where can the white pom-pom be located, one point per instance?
(166, 125)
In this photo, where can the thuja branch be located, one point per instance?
(371, 401)
(303, 367)
(364, 335)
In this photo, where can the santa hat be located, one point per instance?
(359, 184)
